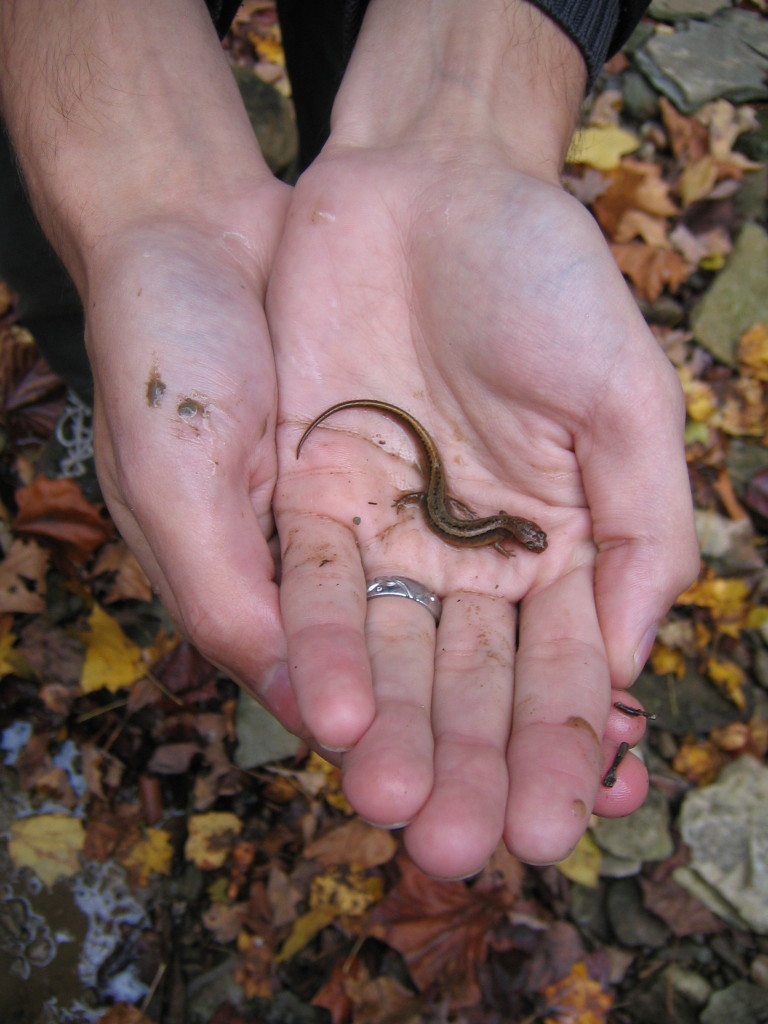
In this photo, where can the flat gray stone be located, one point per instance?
(690, 705)
(260, 737)
(726, 828)
(741, 1001)
(641, 836)
(684, 10)
(738, 297)
(723, 58)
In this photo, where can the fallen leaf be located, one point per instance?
(650, 268)
(337, 893)
(727, 601)
(601, 146)
(729, 678)
(55, 510)
(49, 844)
(699, 762)
(576, 999)
(130, 582)
(688, 137)
(211, 838)
(634, 185)
(152, 854)
(22, 578)
(440, 928)
(353, 842)
(112, 660)
(583, 863)
(753, 351)
(31, 395)
(667, 662)
(697, 180)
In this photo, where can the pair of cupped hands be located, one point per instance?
(485, 302)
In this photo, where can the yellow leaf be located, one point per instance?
(601, 146)
(349, 891)
(726, 599)
(112, 661)
(700, 400)
(667, 662)
(152, 853)
(700, 763)
(211, 837)
(729, 678)
(753, 351)
(49, 844)
(304, 929)
(697, 180)
(583, 864)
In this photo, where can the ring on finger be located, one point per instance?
(403, 586)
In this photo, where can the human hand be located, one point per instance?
(146, 175)
(453, 278)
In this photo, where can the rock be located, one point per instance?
(737, 298)
(726, 828)
(641, 836)
(260, 737)
(740, 1003)
(690, 705)
(632, 924)
(724, 58)
(683, 10)
(641, 102)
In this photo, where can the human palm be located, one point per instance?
(486, 304)
(185, 417)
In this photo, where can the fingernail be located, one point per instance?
(644, 648)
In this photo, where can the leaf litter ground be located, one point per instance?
(149, 878)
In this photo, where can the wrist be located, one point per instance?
(459, 73)
(121, 114)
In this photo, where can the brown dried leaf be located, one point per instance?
(55, 510)
(353, 842)
(130, 582)
(22, 578)
(633, 186)
(440, 928)
(650, 269)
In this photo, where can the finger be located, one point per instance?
(461, 823)
(388, 774)
(624, 782)
(323, 606)
(638, 492)
(562, 692)
(204, 549)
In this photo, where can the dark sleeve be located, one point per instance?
(223, 14)
(598, 27)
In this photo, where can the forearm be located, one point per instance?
(120, 111)
(449, 71)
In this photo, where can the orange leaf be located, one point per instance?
(650, 269)
(633, 186)
(577, 999)
(56, 510)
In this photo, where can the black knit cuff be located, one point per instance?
(598, 27)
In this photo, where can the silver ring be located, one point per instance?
(402, 586)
